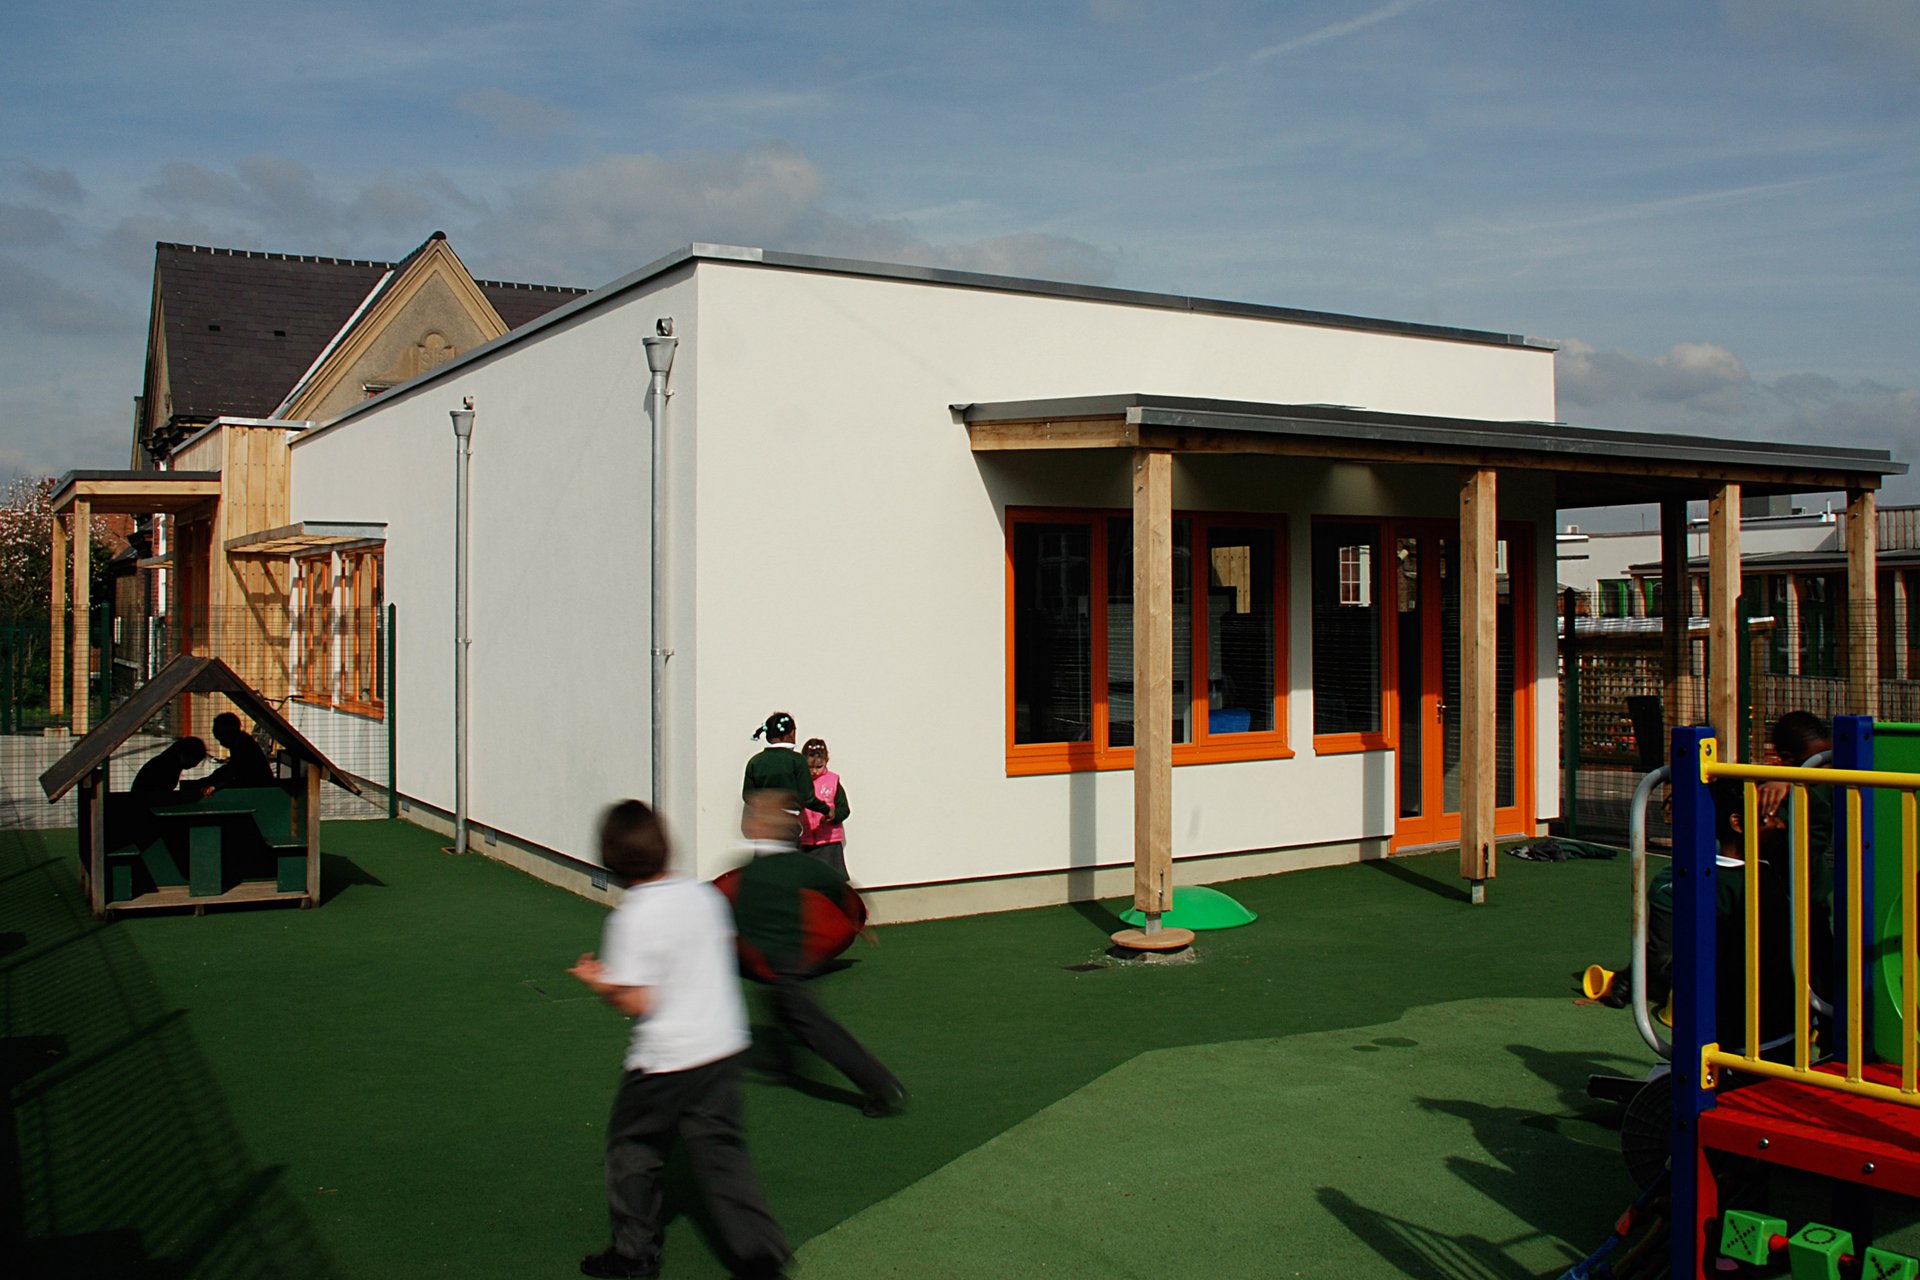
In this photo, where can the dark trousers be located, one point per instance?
(795, 1009)
(701, 1105)
(833, 854)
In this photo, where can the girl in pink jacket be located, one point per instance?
(823, 835)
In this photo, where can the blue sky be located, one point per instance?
(1714, 207)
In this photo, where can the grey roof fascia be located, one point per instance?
(701, 252)
(1551, 439)
(585, 302)
(1131, 297)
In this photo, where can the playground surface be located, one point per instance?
(1374, 1079)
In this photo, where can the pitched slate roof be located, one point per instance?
(242, 327)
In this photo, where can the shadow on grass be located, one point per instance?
(1451, 890)
(339, 873)
(123, 1157)
(1096, 914)
(1421, 1252)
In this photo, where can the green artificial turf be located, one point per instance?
(405, 1081)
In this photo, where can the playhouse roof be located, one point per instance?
(185, 674)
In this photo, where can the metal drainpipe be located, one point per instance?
(462, 453)
(660, 349)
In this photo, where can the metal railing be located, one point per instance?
(1850, 782)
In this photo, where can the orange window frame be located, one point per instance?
(362, 580)
(315, 589)
(1026, 759)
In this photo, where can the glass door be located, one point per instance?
(1428, 669)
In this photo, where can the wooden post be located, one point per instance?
(82, 612)
(1153, 682)
(93, 830)
(313, 776)
(1676, 647)
(1153, 702)
(1479, 689)
(57, 618)
(1863, 614)
(1723, 590)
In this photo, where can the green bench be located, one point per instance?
(199, 844)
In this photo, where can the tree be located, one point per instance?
(26, 578)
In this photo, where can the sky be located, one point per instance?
(1713, 208)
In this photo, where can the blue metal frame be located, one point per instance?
(1694, 1011)
(1852, 749)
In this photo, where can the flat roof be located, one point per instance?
(738, 255)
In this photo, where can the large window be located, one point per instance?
(340, 642)
(1070, 645)
(1347, 632)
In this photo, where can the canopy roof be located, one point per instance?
(185, 674)
(136, 493)
(1589, 467)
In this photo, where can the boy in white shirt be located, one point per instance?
(668, 962)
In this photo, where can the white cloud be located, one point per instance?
(1320, 35)
(1702, 376)
(57, 185)
(516, 115)
(598, 220)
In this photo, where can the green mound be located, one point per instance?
(1197, 907)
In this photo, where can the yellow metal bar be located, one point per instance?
(1750, 838)
(1853, 935)
(1909, 945)
(1713, 1057)
(1713, 768)
(1802, 949)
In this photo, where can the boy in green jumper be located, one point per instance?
(768, 915)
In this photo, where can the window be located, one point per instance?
(340, 643)
(1347, 632)
(1616, 598)
(1820, 596)
(313, 659)
(1070, 642)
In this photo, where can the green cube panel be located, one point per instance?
(1878, 1264)
(1748, 1237)
(119, 880)
(204, 878)
(1814, 1251)
(291, 872)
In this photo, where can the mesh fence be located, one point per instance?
(1790, 660)
(329, 680)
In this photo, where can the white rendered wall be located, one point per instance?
(852, 565)
(559, 585)
(837, 551)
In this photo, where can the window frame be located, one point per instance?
(1028, 759)
(313, 588)
(359, 630)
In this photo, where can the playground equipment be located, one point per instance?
(1815, 1252)
(1855, 1120)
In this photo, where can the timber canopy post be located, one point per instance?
(1723, 592)
(1479, 692)
(82, 544)
(1863, 621)
(1153, 702)
(57, 624)
(1676, 598)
